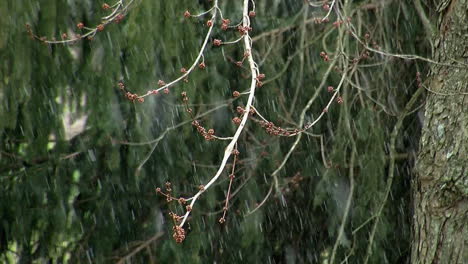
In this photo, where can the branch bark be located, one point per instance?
(440, 186)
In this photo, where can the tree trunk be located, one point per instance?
(440, 186)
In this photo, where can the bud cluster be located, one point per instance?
(259, 79)
(208, 135)
(274, 130)
(225, 24)
(179, 234)
(167, 194)
(324, 56)
(337, 23)
(241, 111)
(243, 30)
(294, 183)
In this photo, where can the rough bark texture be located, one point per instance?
(440, 187)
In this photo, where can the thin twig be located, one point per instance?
(156, 141)
(262, 203)
(195, 62)
(140, 247)
(119, 10)
(351, 178)
(391, 168)
(300, 78)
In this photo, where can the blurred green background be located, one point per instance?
(70, 188)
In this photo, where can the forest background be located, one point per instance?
(80, 162)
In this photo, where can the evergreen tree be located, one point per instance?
(91, 124)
